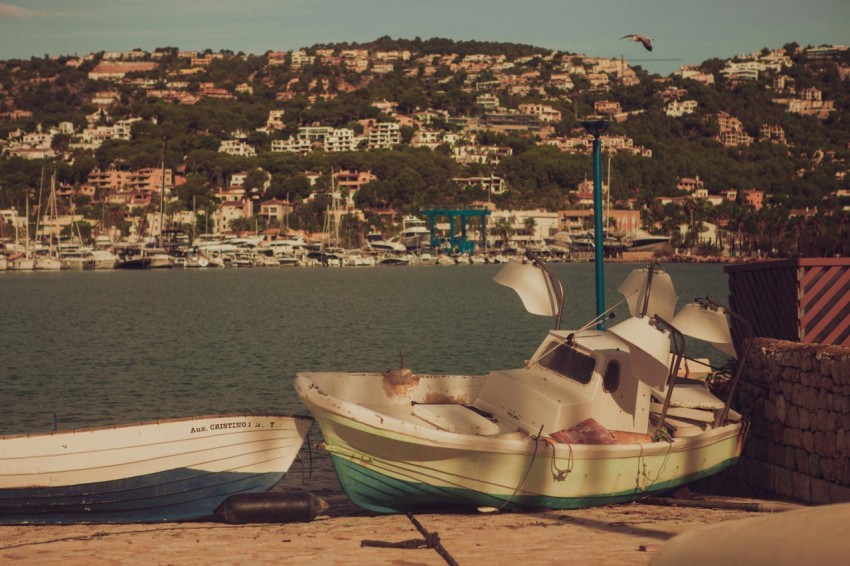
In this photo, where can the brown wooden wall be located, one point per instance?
(802, 300)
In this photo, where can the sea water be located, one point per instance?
(90, 348)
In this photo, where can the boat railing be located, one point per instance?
(673, 369)
(743, 351)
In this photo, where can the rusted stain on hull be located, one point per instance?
(399, 381)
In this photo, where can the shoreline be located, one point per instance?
(629, 257)
(626, 534)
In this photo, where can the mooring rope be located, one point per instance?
(537, 438)
(429, 540)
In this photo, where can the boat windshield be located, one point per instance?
(565, 360)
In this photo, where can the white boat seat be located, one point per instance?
(690, 394)
(700, 415)
(680, 428)
(456, 418)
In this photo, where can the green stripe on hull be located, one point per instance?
(381, 493)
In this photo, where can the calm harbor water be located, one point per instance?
(95, 348)
(90, 348)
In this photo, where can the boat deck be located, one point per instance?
(449, 417)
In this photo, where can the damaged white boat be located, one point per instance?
(595, 417)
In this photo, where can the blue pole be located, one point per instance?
(597, 230)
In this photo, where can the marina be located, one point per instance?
(257, 251)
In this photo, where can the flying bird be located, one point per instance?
(646, 41)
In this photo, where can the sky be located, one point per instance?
(683, 32)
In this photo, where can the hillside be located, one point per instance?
(432, 119)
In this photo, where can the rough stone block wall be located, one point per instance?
(797, 397)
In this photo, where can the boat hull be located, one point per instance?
(134, 263)
(387, 465)
(174, 470)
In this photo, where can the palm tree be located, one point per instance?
(503, 230)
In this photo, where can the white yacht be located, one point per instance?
(81, 257)
(375, 241)
(643, 241)
(47, 262)
(286, 245)
(415, 234)
(358, 259)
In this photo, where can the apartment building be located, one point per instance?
(151, 180)
(483, 154)
(301, 59)
(203, 60)
(326, 138)
(561, 81)
(753, 197)
(492, 185)
(228, 212)
(351, 182)
(116, 70)
(819, 108)
(544, 223)
(694, 74)
(743, 71)
(131, 200)
(356, 60)
(488, 101)
(390, 56)
(510, 121)
(275, 210)
(139, 181)
(607, 107)
(579, 219)
(545, 112)
(690, 184)
(732, 131)
(276, 58)
(383, 135)
(677, 109)
(292, 145)
(330, 139)
(431, 139)
(275, 120)
(237, 147)
(106, 98)
(380, 68)
(773, 133)
(734, 138)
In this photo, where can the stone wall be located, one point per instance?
(797, 397)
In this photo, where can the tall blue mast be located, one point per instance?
(596, 126)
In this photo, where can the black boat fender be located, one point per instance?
(276, 507)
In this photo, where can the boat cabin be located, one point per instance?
(570, 378)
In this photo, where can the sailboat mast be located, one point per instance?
(40, 211)
(27, 225)
(54, 212)
(336, 213)
(161, 192)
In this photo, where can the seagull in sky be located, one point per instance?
(646, 41)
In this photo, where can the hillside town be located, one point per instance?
(349, 146)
